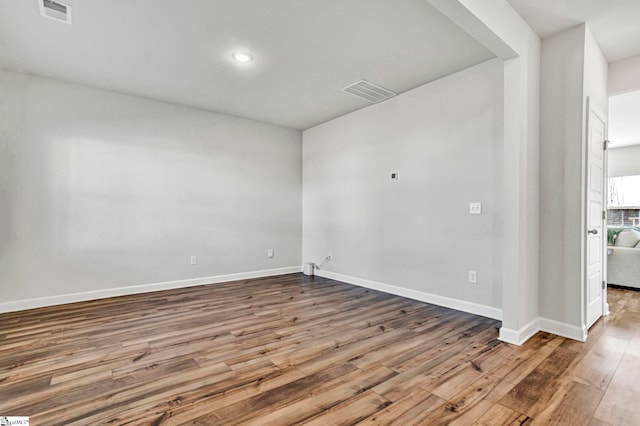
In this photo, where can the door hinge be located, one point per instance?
(605, 145)
(604, 214)
(603, 285)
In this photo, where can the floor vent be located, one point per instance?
(369, 91)
(55, 10)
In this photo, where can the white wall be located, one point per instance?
(445, 140)
(573, 68)
(624, 161)
(562, 76)
(594, 97)
(624, 119)
(521, 187)
(596, 71)
(100, 190)
(498, 26)
(624, 76)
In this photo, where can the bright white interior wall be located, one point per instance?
(445, 140)
(624, 161)
(624, 119)
(101, 190)
(573, 69)
(624, 75)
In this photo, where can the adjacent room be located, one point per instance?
(623, 199)
(318, 212)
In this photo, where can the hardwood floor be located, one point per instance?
(293, 349)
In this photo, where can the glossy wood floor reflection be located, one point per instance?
(290, 350)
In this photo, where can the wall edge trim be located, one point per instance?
(518, 337)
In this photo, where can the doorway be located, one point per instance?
(623, 192)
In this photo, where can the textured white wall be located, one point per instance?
(101, 190)
(445, 141)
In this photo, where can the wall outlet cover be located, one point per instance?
(475, 207)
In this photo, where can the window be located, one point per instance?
(623, 201)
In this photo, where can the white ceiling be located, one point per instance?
(614, 23)
(624, 119)
(180, 51)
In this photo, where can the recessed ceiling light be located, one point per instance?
(242, 56)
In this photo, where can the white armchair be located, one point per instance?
(623, 266)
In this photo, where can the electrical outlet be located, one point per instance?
(473, 277)
(395, 175)
(270, 253)
(194, 260)
(475, 208)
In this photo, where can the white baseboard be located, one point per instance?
(447, 302)
(20, 305)
(518, 337)
(563, 329)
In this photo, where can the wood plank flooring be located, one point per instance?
(299, 350)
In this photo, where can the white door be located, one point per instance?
(596, 231)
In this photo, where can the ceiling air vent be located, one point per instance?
(55, 10)
(369, 91)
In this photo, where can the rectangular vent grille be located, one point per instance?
(369, 91)
(55, 10)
